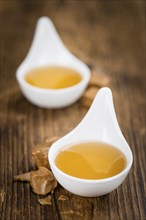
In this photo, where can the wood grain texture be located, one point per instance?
(110, 37)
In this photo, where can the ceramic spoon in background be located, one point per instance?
(48, 50)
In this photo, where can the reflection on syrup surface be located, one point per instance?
(93, 160)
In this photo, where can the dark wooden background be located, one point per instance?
(110, 37)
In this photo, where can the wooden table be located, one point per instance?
(110, 37)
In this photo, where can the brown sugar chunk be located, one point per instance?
(63, 198)
(51, 140)
(99, 79)
(89, 95)
(42, 181)
(45, 201)
(22, 177)
(40, 152)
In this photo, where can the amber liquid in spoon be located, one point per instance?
(93, 160)
(55, 77)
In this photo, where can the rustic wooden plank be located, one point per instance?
(109, 37)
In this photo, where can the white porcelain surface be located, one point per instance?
(99, 124)
(48, 50)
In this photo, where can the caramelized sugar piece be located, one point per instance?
(89, 95)
(63, 198)
(45, 201)
(99, 79)
(51, 140)
(40, 152)
(42, 181)
(22, 177)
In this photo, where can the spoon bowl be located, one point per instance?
(48, 50)
(99, 125)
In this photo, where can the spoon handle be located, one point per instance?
(100, 121)
(46, 42)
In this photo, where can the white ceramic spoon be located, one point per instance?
(48, 50)
(100, 124)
